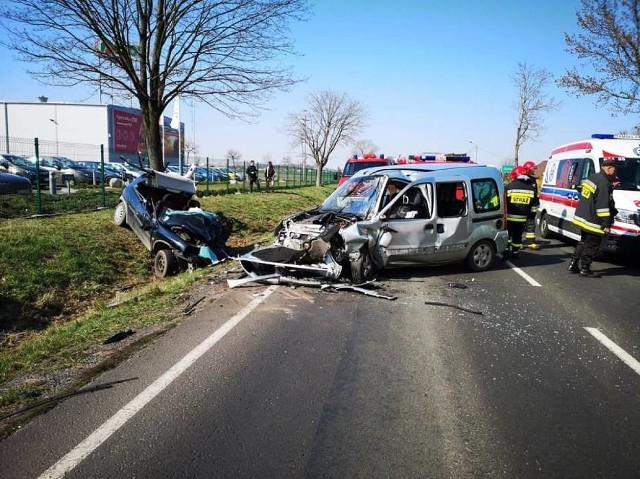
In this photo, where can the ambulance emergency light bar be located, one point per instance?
(441, 157)
(611, 136)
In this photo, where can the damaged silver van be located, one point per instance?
(392, 216)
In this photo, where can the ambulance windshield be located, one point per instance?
(628, 174)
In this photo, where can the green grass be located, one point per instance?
(58, 275)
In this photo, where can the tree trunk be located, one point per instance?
(517, 146)
(153, 136)
(319, 176)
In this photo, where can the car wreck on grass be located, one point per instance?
(161, 210)
(392, 216)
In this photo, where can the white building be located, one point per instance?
(77, 131)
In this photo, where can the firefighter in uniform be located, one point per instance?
(520, 198)
(594, 215)
(530, 227)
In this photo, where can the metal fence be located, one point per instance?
(65, 197)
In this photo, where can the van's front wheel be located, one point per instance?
(363, 269)
(482, 256)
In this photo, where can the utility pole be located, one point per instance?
(476, 148)
(304, 147)
(55, 122)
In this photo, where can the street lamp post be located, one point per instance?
(476, 148)
(56, 124)
(304, 148)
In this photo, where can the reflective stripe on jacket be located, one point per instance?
(593, 212)
(521, 197)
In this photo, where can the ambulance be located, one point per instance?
(569, 165)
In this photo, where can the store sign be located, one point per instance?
(129, 138)
(127, 132)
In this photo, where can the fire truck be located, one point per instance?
(357, 163)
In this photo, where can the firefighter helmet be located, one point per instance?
(517, 171)
(528, 167)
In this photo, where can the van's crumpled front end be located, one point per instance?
(306, 243)
(325, 241)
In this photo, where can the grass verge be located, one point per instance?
(60, 276)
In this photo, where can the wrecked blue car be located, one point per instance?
(161, 210)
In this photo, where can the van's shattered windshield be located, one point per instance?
(357, 197)
(628, 174)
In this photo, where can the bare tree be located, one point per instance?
(329, 120)
(609, 49)
(189, 148)
(364, 146)
(224, 53)
(532, 103)
(233, 156)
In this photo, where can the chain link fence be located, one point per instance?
(61, 194)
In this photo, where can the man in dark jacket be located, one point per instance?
(594, 216)
(252, 174)
(521, 197)
(269, 176)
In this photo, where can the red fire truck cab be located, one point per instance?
(357, 163)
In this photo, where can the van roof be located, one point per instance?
(411, 170)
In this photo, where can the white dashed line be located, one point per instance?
(91, 443)
(527, 278)
(615, 349)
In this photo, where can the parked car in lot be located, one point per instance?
(442, 214)
(18, 165)
(127, 171)
(81, 172)
(161, 210)
(50, 164)
(211, 175)
(14, 184)
(109, 172)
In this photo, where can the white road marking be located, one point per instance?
(93, 441)
(528, 278)
(615, 349)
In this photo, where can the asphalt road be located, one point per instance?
(517, 372)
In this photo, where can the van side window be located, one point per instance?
(451, 199)
(485, 195)
(564, 171)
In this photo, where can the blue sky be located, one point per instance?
(433, 75)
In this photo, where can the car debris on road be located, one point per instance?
(276, 278)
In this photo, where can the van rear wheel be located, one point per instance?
(544, 226)
(482, 256)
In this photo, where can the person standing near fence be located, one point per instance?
(252, 174)
(269, 175)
